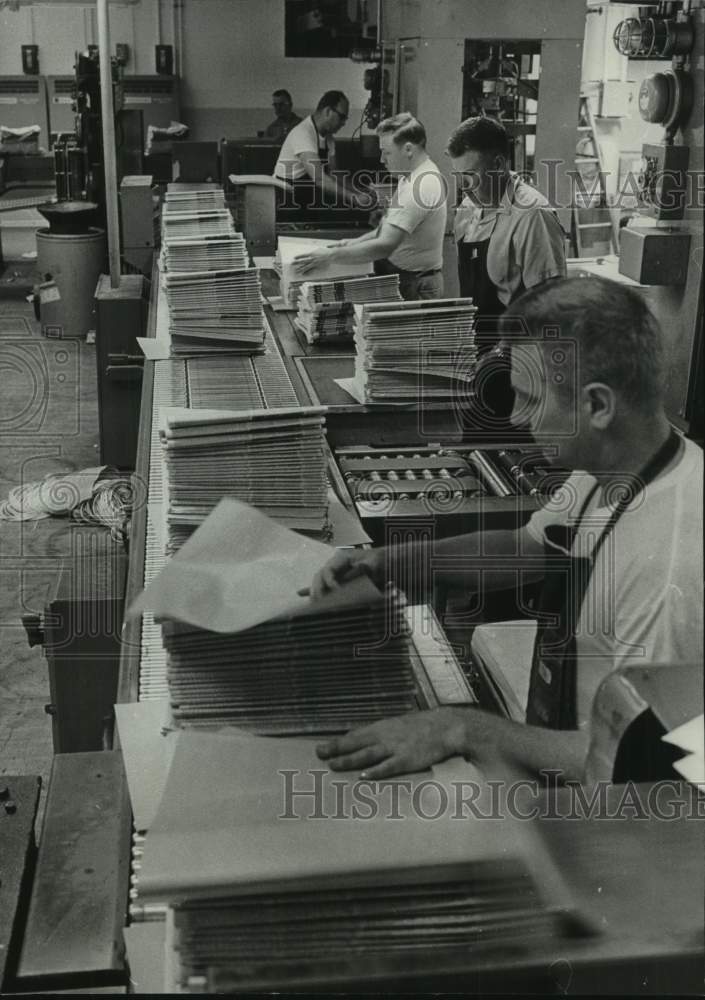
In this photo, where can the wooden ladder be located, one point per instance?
(591, 209)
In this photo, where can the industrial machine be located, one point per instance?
(80, 633)
(23, 102)
(501, 79)
(78, 161)
(157, 97)
(451, 487)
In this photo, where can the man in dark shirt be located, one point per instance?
(286, 118)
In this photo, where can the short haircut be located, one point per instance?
(403, 128)
(479, 135)
(331, 99)
(618, 339)
(283, 93)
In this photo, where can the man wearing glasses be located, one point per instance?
(308, 153)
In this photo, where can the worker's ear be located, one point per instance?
(599, 404)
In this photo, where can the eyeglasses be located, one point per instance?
(343, 117)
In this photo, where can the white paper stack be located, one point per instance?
(414, 352)
(215, 311)
(326, 307)
(290, 247)
(273, 459)
(207, 199)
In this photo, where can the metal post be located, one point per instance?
(109, 156)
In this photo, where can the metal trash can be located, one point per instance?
(69, 265)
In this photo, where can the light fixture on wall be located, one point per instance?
(655, 37)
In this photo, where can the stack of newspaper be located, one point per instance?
(273, 459)
(291, 247)
(326, 307)
(413, 352)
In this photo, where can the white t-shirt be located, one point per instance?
(304, 138)
(644, 602)
(419, 207)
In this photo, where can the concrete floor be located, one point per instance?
(48, 423)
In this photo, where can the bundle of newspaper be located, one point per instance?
(273, 459)
(414, 352)
(292, 278)
(326, 307)
(215, 311)
(208, 253)
(197, 224)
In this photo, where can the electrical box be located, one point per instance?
(120, 319)
(618, 99)
(654, 256)
(61, 92)
(139, 221)
(663, 182)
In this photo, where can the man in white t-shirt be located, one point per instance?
(409, 239)
(620, 543)
(308, 154)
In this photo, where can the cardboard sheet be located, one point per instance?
(232, 835)
(147, 755)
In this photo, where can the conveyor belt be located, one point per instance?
(233, 382)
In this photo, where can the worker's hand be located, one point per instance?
(347, 564)
(314, 258)
(400, 745)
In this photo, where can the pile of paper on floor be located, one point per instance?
(326, 307)
(290, 247)
(245, 648)
(413, 351)
(280, 872)
(274, 459)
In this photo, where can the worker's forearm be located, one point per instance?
(477, 562)
(365, 238)
(484, 737)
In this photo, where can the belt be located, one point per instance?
(416, 274)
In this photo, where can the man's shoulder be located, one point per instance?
(526, 196)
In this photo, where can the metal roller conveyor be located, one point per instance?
(513, 463)
(490, 475)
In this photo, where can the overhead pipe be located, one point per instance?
(109, 154)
